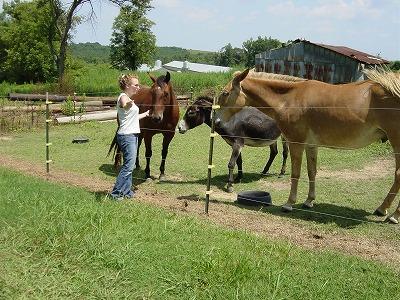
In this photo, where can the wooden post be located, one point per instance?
(210, 155)
(48, 144)
(74, 106)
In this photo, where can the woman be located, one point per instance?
(127, 135)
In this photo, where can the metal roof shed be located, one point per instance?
(333, 64)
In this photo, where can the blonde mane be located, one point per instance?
(388, 80)
(271, 76)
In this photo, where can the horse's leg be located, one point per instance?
(273, 152)
(236, 150)
(166, 140)
(382, 209)
(285, 155)
(149, 152)
(137, 164)
(296, 154)
(239, 163)
(311, 153)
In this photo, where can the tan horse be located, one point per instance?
(312, 113)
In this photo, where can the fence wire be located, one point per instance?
(288, 181)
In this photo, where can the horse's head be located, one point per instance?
(196, 114)
(232, 99)
(162, 96)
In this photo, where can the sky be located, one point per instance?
(371, 26)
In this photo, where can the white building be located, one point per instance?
(185, 66)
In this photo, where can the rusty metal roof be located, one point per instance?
(352, 53)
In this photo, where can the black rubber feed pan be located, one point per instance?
(80, 140)
(254, 198)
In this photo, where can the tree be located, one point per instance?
(229, 56)
(24, 52)
(66, 17)
(55, 20)
(132, 41)
(395, 65)
(252, 47)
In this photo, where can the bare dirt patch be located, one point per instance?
(231, 216)
(378, 169)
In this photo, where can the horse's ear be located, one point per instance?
(152, 77)
(238, 78)
(167, 77)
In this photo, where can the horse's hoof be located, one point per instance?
(377, 212)
(308, 205)
(392, 220)
(281, 175)
(161, 177)
(229, 189)
(287, 207)
(149, 179)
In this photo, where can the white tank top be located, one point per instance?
(128, 119)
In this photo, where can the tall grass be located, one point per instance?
(101, 80)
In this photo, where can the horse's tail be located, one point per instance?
(116, 150)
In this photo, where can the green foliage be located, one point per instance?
(395, 65)
(24, 46)
(99, 54)
(91, 52)
(168, 54)
(252, 47)
(68, 107)
(229, 56)
(132, 42)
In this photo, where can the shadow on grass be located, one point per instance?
(220, 181)
(323, 213)
(108, 169)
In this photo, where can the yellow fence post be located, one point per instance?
(48, 144)
(210, 155)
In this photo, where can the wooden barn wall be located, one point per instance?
(309, 61)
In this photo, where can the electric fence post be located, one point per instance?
(48, 144)
(210, 154)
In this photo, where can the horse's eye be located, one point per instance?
(225, 93)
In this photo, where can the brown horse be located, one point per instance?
(312, 113)
(164, 115)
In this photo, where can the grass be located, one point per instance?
(101, 80)
(58, 242)
(186, 170)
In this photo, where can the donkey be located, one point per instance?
(311, 114)
(247, 127)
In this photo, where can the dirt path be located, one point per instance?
(266, 225)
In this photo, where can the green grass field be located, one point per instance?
(59, 242)
(352, 197)
(102, 80)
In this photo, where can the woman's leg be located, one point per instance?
(123, 184)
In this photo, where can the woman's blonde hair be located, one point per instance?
(125, 79)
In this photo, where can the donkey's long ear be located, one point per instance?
(167, 77)
(152, 77)
(238, 78)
